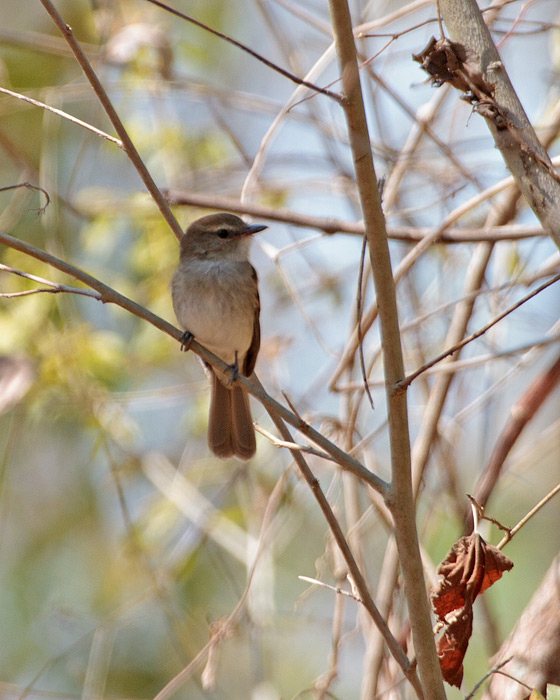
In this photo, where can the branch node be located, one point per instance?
(400, 387)
(301, 423)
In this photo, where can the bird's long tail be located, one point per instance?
(230, 425)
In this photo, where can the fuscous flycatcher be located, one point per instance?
(216, 299)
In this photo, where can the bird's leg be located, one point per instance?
(186, 340)
(234, 369)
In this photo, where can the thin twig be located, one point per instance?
(30, 292)
(450, 351)
(247, 49)
(335, 589)
(525, 519)
(487, 675)
(65, 115)
(54, 287)
(359, 307)
(29, 186)
(292, 445)
(461, 365)
(478, 514)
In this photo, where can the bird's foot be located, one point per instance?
(186, 340)
(234, 370)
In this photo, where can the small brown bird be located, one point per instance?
(216, 299)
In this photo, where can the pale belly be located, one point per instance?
(217, 303)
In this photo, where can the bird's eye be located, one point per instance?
(222, 233)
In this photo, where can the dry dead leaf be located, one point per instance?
(471, 567)
(451, 62)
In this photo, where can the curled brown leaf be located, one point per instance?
(471, 566)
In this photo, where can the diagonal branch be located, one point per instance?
(110, 295)
(52, 287)
(477, 334)
(353, 568)
(65, 115)
(247, 49)
(513, 134)
(520, 415)
(127, 144)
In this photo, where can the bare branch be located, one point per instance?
(292, 445)
(354, 571)
(487, 675)
(323, 91)
(65, 115)
(525, 519)
(511, 129)
(54, 287)
(335, 589)
(127, 144)
(109, 295)
(29, 186)
(401, 502)
(331, 225)
(359, 308)
(452, 350)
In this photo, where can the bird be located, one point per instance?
(216, 300)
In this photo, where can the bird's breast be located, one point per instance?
(216, 301)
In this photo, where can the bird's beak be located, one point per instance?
(250, 230)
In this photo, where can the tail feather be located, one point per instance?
(244, 443)
(220, 439)
(230, 426)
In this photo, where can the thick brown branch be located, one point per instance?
(511, 129)
(401, 502)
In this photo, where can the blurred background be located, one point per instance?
(123, 543)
